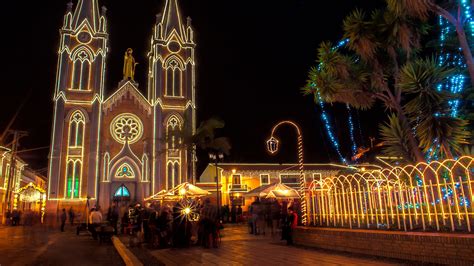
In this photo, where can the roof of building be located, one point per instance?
(285, 167)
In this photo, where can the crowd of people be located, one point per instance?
(279, 218)
(188, 221)
(17, 217)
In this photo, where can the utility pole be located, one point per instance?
(16, 138)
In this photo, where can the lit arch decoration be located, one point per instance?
(126, 122)
(124, 171)
(433, 196)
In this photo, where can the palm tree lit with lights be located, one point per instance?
(273, 147)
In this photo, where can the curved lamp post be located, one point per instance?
(217, 156)
(273, 146)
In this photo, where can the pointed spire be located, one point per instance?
(171, 19)
(87, 10)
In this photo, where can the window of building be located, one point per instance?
(7, 175)
(290, 179)
(317, 177)
(125, 171)
(264, 179)
(73, 179)
(173, 173)
(173, 127)
(76, 129)
(236, 179)
(174, 78)
(122, 192)
(81, 71)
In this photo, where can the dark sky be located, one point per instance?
(253, 57)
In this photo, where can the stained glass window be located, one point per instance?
(122, 192)
(125, 171)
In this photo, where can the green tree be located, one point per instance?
(381, 65)
(205, 138)
(448, 9)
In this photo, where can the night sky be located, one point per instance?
(253, 57)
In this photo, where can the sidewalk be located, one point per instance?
(39, 245)
(240, 248)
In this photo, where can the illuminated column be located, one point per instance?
(273, 147)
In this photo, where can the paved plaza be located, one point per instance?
(39, 245)
(240, 248)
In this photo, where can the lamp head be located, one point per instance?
(272, 145)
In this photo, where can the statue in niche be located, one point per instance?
(129, 65)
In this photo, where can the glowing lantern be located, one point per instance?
(272, 145)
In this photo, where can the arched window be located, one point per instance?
(174, 78)
(122, 192)
(73, 179)
(176, 176)
(81, 71)
(125, 171)
(76, 129)
(173, 127)
(170, 175)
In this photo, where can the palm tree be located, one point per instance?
(421, 8)
(205, 139)
(378, 45)
(381, 65)
(428, 108)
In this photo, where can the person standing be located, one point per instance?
(291, 223)
(275, 216)
(63, 219)
(71, 216)
(209, 223)
(95, 219)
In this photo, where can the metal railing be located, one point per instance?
(431, 197)
(238, 187)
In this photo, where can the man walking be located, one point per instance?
(63, 219)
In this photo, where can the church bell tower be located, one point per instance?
(78, 96)
(171, 90)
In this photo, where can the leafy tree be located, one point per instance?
(448, 9)
(205, 138)
(380, 64)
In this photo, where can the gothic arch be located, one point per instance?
(172, 58)
(135, 168)
(89, 54)
(78, 109)
(172, 116)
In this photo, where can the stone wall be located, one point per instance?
(444, 248)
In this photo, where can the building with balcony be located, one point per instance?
(236, 179)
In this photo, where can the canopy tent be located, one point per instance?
(263, 191)
(184, 190)
(283, 194)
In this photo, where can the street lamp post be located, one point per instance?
(216, 156)
(273, 147)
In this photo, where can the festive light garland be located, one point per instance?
(457, 81)
(326, 121)
(351, 132)
(327, 125)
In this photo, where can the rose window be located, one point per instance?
(126, 126)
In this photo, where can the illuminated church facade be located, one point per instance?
(121, 144)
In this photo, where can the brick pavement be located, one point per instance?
(40, 245)
(240, 248)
